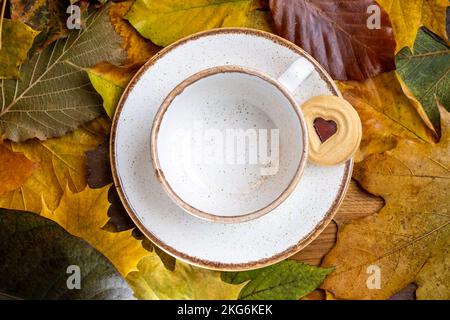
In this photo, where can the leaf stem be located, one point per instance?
(2, 14)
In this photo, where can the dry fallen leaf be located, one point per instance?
(165, 21)
(53, 95)
(15, 169)
(61, 162)
(17, 39)
(408, 16)
(110, 81)
(47, 16)
(409, 239)
(84, 214)
(186, 282)
(99, 175)
(385, 112)
(138, 49)
(336, 33)
(260, 18)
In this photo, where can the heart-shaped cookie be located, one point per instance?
(334, 128)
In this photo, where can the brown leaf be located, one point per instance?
(98, 176)
(47, 16)
(448, 22)
(15, 169)
(336, 33)
(407, 293)
(98, 166)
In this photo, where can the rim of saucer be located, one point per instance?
(214, 265)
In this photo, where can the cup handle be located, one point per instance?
(298, 72)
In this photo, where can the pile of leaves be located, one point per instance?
(59, 90)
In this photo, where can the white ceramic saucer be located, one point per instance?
(257, 243)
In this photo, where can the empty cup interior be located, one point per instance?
(230, 144)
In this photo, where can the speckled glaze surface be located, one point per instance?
(253, 244)
(229, 99)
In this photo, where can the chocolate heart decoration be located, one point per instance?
(325, 128)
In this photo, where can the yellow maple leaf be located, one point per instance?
(84, 214)
(409, 239)
(407, 16)
(154, 281)
(61, 162)
(386, 114)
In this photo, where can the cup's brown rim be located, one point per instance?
(159, 173)
(199, 262)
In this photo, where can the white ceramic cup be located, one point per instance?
(229, 144)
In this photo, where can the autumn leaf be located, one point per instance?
(99, 175)
(448, 22)
(386, 114)
(138, 49)
(409, 239)
(408, 16)
(17, 39)
(426, 74)
(84, 214)
(54, 94)
(261, 19)
(36, 254)
(47, 16)
(15, 169)
(336, 33)
(287, 280)
(61, 162)
(165, 21)
(153, 281)
(168, 260)
(110, 81)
